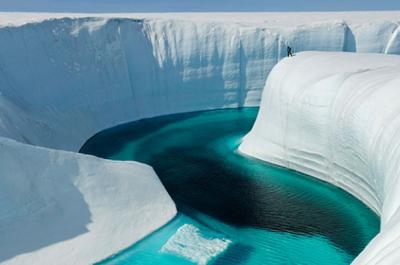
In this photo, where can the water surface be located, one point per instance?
(270, 215)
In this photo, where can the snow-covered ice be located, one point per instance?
(335, 116)
(64, 77)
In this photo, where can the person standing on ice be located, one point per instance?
(289, 51)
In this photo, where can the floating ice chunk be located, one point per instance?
(190, 244)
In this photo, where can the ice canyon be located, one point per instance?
(64, 77)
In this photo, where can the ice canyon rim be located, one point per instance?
(64, 77)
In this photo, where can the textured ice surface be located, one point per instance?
(190, 244)
(335, 116)
(64, 77)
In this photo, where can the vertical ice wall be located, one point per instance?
(62, 80)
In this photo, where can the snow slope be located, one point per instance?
(335, 116)
(59, 207)
(62, 80)
(64, 77)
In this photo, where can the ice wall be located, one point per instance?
(62, 80)
(335, 116)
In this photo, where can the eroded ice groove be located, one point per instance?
(335, 116)
(65, 77)
(59, 207)
(189, 243)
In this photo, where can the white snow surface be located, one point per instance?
(65, 77)
(335, 116)
(58, 207)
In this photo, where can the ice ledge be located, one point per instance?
(335, 116)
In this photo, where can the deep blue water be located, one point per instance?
(270, 215)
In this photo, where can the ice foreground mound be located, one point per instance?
(58, 207)
(335, 116)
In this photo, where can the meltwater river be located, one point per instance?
(233, 209)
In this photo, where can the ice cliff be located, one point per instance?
(62, 80)
(335, 116)
(64, 77)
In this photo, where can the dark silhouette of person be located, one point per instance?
(289, 51)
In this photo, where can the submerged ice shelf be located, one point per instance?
(65, 77)
(189, 243)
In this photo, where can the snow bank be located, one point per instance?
(58, 207)
(335, 116)
(64, 79)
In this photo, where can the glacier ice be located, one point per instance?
(64, 77)
(335, 116)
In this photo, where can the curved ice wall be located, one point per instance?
(62, 80)
(335, 116)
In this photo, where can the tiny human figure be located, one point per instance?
(289, 51)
